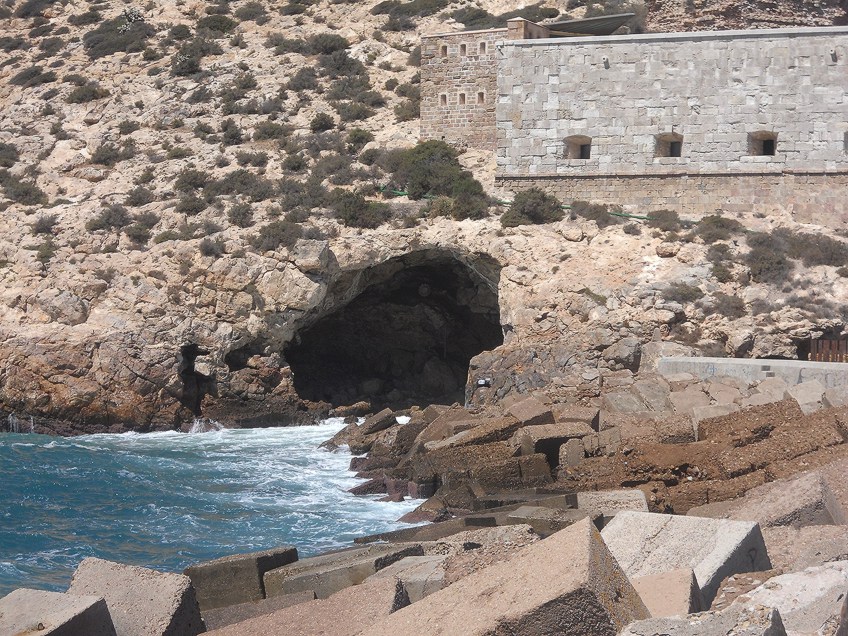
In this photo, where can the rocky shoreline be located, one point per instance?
(669, 505)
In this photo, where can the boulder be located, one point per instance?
(741, 621)
(347, 613)
(420, 575)
(801, 501)
(326, 574)
(236, 579)
(625, 354)
(807, 394)
(25, 611)
(673, 593)
(378, 422)
(531, 411)
(142, 602)
(645, 543)
(654, 392)
(223, 616)
(809, 601)
(653, 352)
(568, 583)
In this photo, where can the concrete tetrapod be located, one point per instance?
(648, 543)
(568, 583)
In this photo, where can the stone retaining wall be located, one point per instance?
(830, 374)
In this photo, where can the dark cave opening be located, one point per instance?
(406, 339)
(195, 384)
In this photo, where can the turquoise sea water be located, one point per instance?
(164, 500)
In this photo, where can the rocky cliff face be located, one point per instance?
(147, 157)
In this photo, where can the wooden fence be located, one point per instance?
(829, 350)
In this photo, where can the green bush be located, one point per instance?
(321, 122)
(240, 215)
(23, 192)
(9, 155)
(32, 76)
(255, 159)
(275, 235)
(353, 210)
(139, 196)
(665, 220)
(190, 205)
(252, 11)
(722, 273)
(431, 169)
(231, 133)
(46, 251)
(357, 138)
(352, 111)
(44, 224)
(283, 45)
(766, 259)
(269, 130)
(532, 207)
(137, 233)
(407, 110)
(326, 43)
(190, 179)
(108, 154)
(726, 305)
(241, 182)
(812, 249)
(716, 228)
(180, 32)
(86, 93)
(32, 8)
(340, 64)
(305, 79)
(111, 217)
(294, 163)
(216, 25)
(597, 212)
(412, 9)
(682, 293)
(117, 36)
(210, 247)
(127, 127)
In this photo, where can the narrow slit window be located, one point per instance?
(482, 48)
(462, 99)
(762, 143)
(845, 142)
(578, 147)
(443, 100)
(481, 98)
(669, 145)
(463, 49)
(444, 50)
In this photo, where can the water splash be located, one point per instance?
(205, 425)
(14, 425)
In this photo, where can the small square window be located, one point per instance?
(585, 151)
(762, 143)
(578, 147)
(845, 142)
(482, 48)
(444, 50)
(481, 97)
(462, 99)
(443, 100)
(669, 145)
(463, 49)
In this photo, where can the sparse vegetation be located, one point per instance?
(354, 210)
(125, 34)
(682, 293)
(597, 212)
(9, 155)
(532, 207)
(19, 191)
(110, 217)
(276, 234)
(716, 228)
(86, 93)
(321, 122)
(45, 224)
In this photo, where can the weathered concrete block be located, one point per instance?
(673, 593)
(547, 438)
(25, 611)
(610, 502)
(809, 601)
(842, 630)
(545, 521)
(566, 413)
(347, 613)
(690, 399)
(237, 578)
(758, 399)
(567, 583)
(622, 402)
(488, 430)
(142, 602)
(646, 543)
(742, 621)
(326, 574)
(531, 411)
(654, 393)
(420, 575)
(802, 501)
(223, 616)
(808, 395)
(835, 397)
(571, 453)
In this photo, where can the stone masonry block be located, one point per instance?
(24, 612)
(142, 602)
(646, 543)
(568, 583)
(738, 621)
(674, 593)
(610, 502)
(237, 578)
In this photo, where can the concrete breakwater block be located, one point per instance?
(531, 412)
(420, 575)
(544, 521)
(27, 612)
(741, 621)
(674, 593)
(610, 502)
(803, 501)
(568, 583)
(142, 602)
(223, 616)
(326, 574)
(236, 578)
(646, 543)
(347, 613)
(809, 601)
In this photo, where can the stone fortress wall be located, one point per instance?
(700, 122)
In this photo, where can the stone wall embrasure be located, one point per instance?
(718, 93)
(451, 75)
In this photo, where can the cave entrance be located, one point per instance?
(406, 338)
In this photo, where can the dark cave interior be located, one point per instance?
(407, 338)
